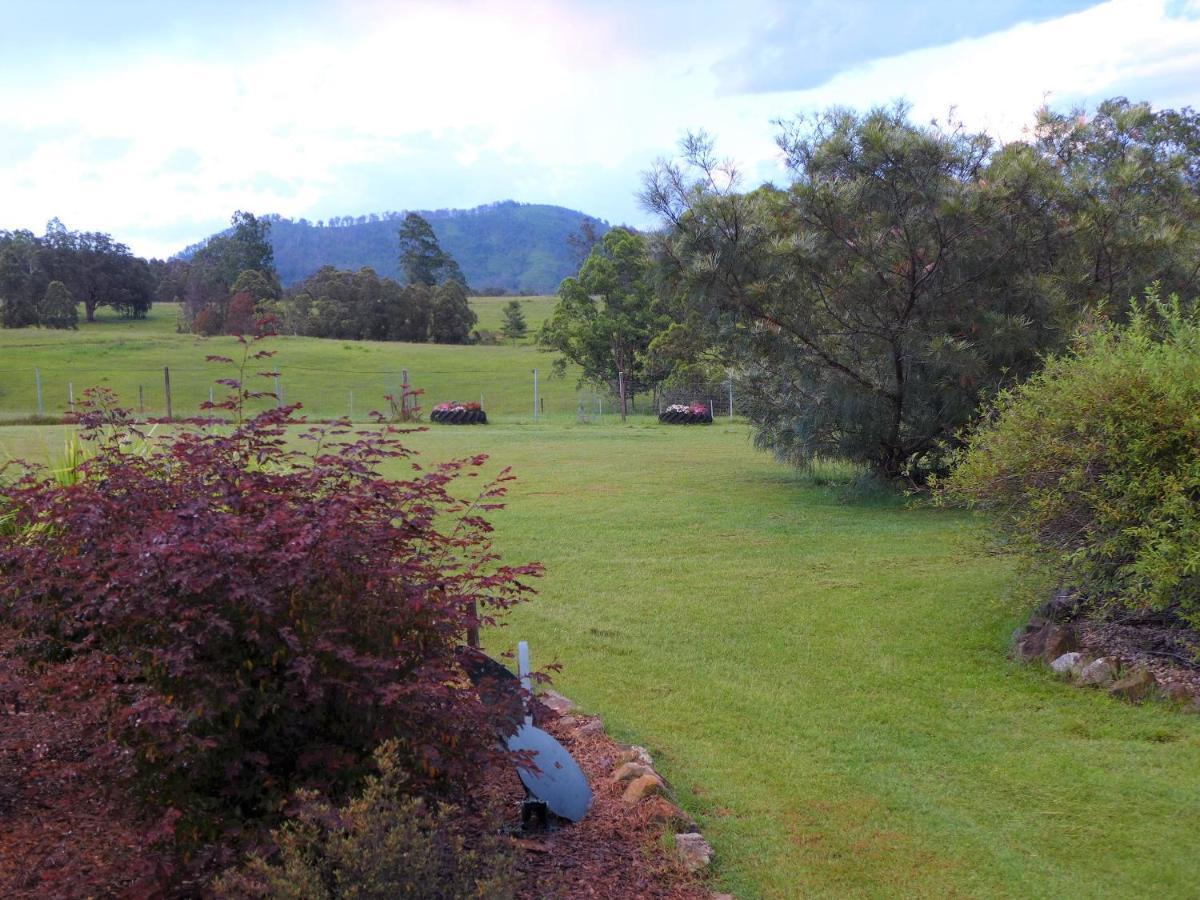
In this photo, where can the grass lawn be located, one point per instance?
(823, 679)
(321, 374)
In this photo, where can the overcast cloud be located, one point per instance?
(154, 121)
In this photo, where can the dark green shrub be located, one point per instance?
(383, 844)
(1092, 467)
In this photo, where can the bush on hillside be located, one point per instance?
(1093, 465)
(263, 617)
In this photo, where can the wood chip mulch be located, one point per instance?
(64, 831)
(616, 851)
(1167, 651)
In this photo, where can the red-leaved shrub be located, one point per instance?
(265, 616)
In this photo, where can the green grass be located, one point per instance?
(491, 312)
(823, 680)
(321, 374)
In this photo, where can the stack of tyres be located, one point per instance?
(459, 416)
(685, 417)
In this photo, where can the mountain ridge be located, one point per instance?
(502, 246)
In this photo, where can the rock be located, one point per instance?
(1048, 641)
(1099, 673)
(1060, 639)
(568, 721)
(556, 702)
(632, 770)
(1135, 686)
(642, 787)
(636, 754)
(693, 850)
(1177, 693)
(664, 813)
(1067, 663)
(595, 726)
(721, 897)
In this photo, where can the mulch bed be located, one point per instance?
(64, 830)
(1167, 651)
(615, 851)
(68, 829)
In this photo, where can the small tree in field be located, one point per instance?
(514, 327)
(57, 307)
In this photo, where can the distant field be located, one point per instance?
(491, 312)
(322, 374)
(822, 677)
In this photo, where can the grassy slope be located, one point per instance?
(319, 373)
(824, 682)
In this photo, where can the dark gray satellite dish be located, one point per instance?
(558, 781)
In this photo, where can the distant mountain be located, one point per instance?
(516, 247)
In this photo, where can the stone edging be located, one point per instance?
(1057, 644)
(644, 787)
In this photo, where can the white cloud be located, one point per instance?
(546, 103)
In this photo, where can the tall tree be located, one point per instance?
(452, 317)
(422, 259)
(57, 308)
(872, 302)
(23, 278)
(1130, 198)
(606, 317)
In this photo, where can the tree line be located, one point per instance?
(229, 284)
(906, 274)
(43, 279)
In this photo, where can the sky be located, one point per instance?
(154, 121)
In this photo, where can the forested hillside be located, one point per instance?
(515, 247)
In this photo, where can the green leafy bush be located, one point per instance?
(1092, 467)
(383, 844)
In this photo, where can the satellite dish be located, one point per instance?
(559, 782)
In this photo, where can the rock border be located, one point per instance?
(644, 788)
(1047, 638)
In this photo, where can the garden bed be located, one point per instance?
(686, 414)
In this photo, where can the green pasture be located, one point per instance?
(331, 378)
(491, 312)
(821, 674)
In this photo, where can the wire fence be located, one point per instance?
(29, 393)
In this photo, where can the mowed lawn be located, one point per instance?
(330, 377)
(824, 679)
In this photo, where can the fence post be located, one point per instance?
(730, 382)
(278, 392)
(71, 395)
(210, 395)
(37, 380)
(167, 390)
(141, 399)
(404, 398)
(352, 406)
(621, 392)
(535, 396)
